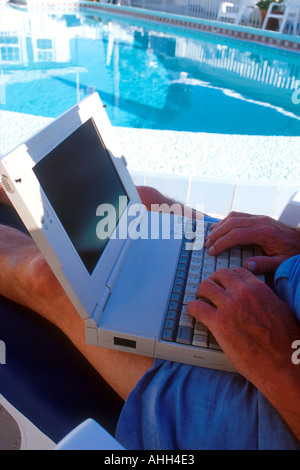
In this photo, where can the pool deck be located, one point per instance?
(256, 174)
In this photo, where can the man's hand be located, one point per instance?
(255, 329)
(252, 325)
(278, 241)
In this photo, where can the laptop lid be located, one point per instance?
(60, 182)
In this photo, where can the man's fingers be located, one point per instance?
(209, 295)
(229, 216)
(236, 230)
(210, 290)
(203, 311)
(264, 264)
(236, 236)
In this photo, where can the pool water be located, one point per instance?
(147, 76)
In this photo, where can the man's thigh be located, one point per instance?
(45, 377)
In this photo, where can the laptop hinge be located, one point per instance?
(118, 265)
(100, 306)
(98, 310)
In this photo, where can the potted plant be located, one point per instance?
(263, 5)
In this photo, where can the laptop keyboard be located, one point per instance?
(194, 266)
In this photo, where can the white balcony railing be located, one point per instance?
(234, 11)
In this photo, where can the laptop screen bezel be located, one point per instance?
(84, 289)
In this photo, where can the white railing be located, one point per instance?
(197, 8)
(233, 11)
(234, 63)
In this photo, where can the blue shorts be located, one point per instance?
(181, 407)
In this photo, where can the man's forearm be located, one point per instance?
(283, 392)
(157, 202)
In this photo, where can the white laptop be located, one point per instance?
(117, 262)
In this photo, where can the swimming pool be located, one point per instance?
(147, 76)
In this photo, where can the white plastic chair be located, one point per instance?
(120, 2)
(89, 435)
(287, 14)
(236, 13)
(291, 213)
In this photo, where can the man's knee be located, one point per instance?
(41, 277)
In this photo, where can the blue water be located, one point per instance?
(147, 76)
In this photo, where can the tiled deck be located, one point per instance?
(256, 174)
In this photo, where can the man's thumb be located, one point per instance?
(263, 264)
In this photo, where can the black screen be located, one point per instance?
(77, 176)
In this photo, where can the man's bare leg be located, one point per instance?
(26, 278)
(3, 197)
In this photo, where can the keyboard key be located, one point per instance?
(175, 297)
(179, 281)
(224, 255)
(168, 335)
(205, 276)
(234, 263)
(182, 267)
(184, 310)
(193, 280)
(170, 324)
(178, 289)
(200, 329)
(200, 341)
(174, 306)
(184, 335)
(180, 274)
(208, 268)
(197, 255)
(221, 263)
(235, 252)
(195, 263)
(194, 272)
(197, 244)
(209, 260)
(247, 252)
(191, 289)
(184, 257)
(186, 320)
(189, 298)
(213, 343)
(172, 315)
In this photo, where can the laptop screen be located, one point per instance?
(78, 176)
